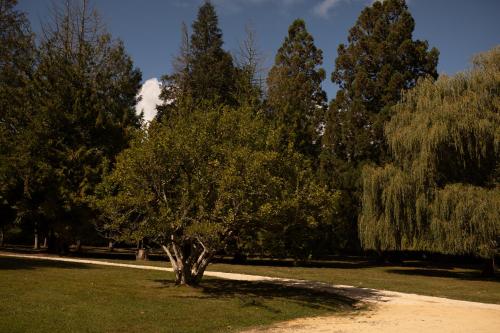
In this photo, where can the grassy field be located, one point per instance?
(462, 282)
(46, 296)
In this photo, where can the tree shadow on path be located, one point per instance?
(7, 263)
(310, 294)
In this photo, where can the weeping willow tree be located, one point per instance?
(441, 192)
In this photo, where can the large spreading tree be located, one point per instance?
(201, 180)
(380, 61)
(441, 192)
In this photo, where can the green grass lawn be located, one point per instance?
(47, 296)
(419, 277)
(412, 277)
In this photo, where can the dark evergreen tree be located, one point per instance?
(295, 95)
(17, 55)
(380, 60)
(204, 71)
(82, 112)
(212, 68)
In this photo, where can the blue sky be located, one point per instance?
(150, 29)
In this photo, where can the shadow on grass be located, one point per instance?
(352, 262)
(29, 264)
(445, 273)
(344, 263)
(315, 295)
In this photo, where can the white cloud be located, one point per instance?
(150, 93)
(323, 8)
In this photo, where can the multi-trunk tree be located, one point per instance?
(204, 179)
(380, 61)
(441, 192)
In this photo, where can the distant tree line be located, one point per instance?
(396, 161)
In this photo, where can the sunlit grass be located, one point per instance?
(48, 296)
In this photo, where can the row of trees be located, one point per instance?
(228, 165)
(231, 170)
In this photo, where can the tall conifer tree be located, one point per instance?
(17, 55)
(204, 71)
(380, 60)
(295, 94)
(83, 113)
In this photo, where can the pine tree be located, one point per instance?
(17, 60)
(204, 71)
(82, 115)
(294, 90)
(380, 60)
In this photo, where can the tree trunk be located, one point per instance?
(189, 261)
(142, 254)
(489, 267)
(111, 245)
(36, 246)
(1, 236)
(239, 257)
(78, 246)
(45, 242)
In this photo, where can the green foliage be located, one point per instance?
(441, 192)
(192, 182)
(465, 220)
(299, 212)
(294, 90)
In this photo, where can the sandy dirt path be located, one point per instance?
(387, 311)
